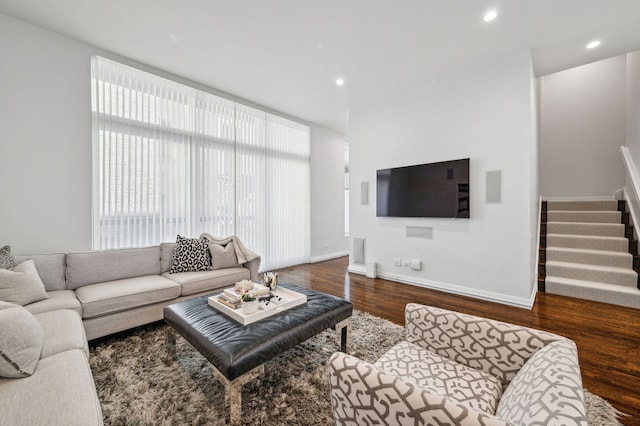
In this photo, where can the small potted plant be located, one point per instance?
(249, 303)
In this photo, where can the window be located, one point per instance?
(169, 159)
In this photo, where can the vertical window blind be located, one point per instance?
(169, 159)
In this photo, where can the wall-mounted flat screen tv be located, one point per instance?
(424, 190)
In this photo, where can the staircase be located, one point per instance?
(587, 251)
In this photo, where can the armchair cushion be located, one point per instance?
(364, 394)
(548, 381)
(442, 376)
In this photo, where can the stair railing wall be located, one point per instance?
(632, 189)
(536, 277)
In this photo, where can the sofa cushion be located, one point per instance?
(115, 296)
(51, 267)
(20, 341)
(92, 267)
(442, 376)
(22, 285)
(197, 282)
(60, 391)
(59, 299)
(223, 256)
(7, 261)
(63, 331)
(190, 254)
(548, 385)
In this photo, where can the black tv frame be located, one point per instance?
(430, 190)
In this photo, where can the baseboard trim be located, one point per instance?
(329, 256)
(519, 302)
(358, 269)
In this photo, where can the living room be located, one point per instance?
(477, 97)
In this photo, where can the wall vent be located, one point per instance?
(420, 232)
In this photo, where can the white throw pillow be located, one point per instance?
(223, 257)
(20, 341)
(22, 285)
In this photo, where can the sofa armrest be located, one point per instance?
(254, 266)
(495, 347)
(362, 394)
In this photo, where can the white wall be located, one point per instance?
(633, 106)
(632, 193)
(327, 194)
(45, 139)
(534, 190)
(485, 112)
(45, 144)
(582, 129)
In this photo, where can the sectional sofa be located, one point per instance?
(90, 295)
(114, 290)
(52, 347)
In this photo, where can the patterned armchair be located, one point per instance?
(458, 369)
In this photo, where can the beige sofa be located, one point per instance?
(90, 295)
(114, 290)
(464, 370)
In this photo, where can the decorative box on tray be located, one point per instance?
(280, 300)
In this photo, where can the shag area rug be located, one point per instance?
(138, 384)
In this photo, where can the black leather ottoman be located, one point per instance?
(238, 352)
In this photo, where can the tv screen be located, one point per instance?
(424, 190)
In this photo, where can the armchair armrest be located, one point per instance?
(496, 347)
(362, 394)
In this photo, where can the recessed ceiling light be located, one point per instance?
(340, 81)
(593, 44)
(490, 15)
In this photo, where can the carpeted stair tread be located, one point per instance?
(593, 242)
(590, 257)
(575, 228)
(589, 205)
(597, 291)
(603, 274)
(587, 252)
(584, 216)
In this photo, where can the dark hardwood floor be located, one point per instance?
(608, 336)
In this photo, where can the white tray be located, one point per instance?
(290, 299)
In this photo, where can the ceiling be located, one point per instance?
(287, 54)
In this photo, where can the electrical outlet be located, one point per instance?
(415, 264)
(406, 262)
(397, 261)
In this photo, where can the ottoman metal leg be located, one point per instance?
(344, 327)
(233, 392)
